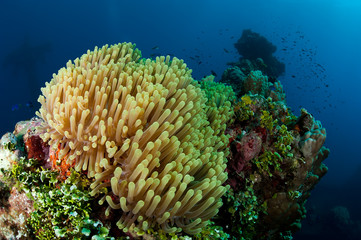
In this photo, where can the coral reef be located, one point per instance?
(255, 82)
(275, 161)
(41, 206)
(234, 77)
(257, 54)
(131, 148)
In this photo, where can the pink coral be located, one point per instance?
(14, 214)
(251, 145)
(247, 148)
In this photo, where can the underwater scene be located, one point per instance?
(198, 119)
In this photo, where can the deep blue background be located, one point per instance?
(39, 37)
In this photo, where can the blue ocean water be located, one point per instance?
(318, 40)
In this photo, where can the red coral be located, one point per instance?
(60, 165)
(36, 148)
(251, 145)
(245, 150)
(262, 133)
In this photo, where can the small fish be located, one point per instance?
(214, 73)
(155, 48)
(293, 76)
(200, 62)
(225, 50)
(154, 54)
(15, 107)
(28, 105)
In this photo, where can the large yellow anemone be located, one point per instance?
(140, 128)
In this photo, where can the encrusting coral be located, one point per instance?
(143, 130)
